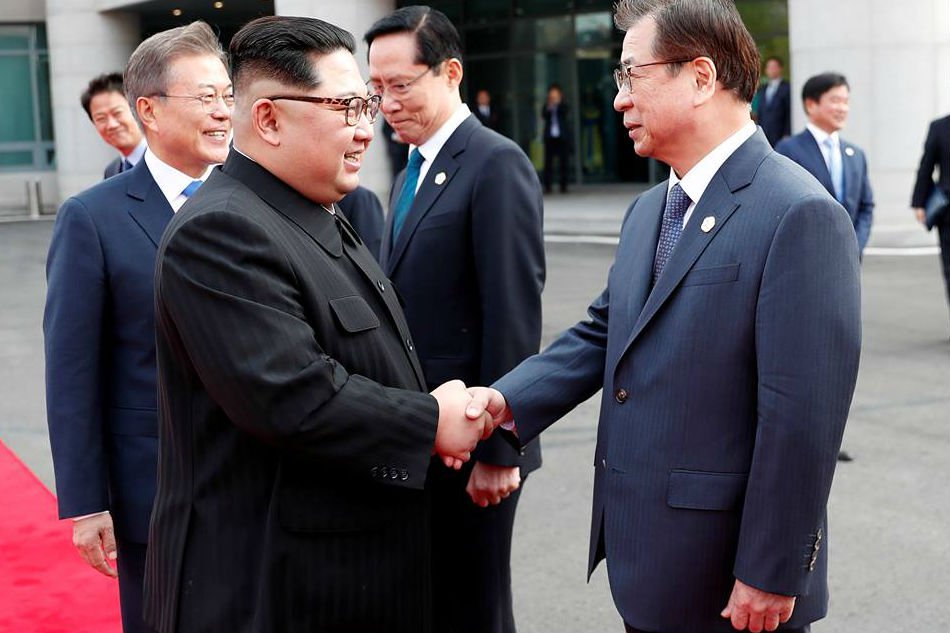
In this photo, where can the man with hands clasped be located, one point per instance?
(726, 343)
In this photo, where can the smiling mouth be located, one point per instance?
(217, 134)
(353, 157)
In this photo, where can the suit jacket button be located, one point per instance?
(409, 345)
(621, 395)
(380, 285)
(374, 471)
(384, 472)
(393, 473)
(403, 474)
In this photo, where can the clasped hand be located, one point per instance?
(465, 417)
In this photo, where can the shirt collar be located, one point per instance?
(136, 154)
(696, 180)
(171, 181)
(431, 148)
(820, 135)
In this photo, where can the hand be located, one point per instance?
(490, 484)
(921, 215)
(94, 537)
(458, 432)
(486, 399)
(757, 610)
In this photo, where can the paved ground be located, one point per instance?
(889, 509)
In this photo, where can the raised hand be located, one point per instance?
(458, 431)
(490, 401)
(757, 610)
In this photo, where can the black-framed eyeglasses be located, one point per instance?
(208, 101)
(400, 89)
(623, 73)
(354, 107)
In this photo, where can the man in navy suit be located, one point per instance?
(99, 323)
(726, 343)
(464, 246)
(105, 103)
(774, 102)
(839, 166)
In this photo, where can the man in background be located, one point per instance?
(557, 138)
(107, 107)
(774, 102)
(936, 153)
(484, 111)
(464, 246)
(99, 323)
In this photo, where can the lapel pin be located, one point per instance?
(708, 223)
(440, 178)
(849, 151)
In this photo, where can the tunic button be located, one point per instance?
(409, 345)
(621, 395)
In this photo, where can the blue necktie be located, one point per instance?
(191, 188)
(834, 168)
(125, 166)
(676, 204)
(408, 192)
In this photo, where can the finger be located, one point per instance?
(771, 621)
(740, 619)
(478, 404)
(756, 621)
(108, 544)
(786, 613)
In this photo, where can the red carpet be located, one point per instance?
(45, 587)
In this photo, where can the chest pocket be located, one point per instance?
(353, 314)
(712, 275)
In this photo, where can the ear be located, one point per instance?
(453, 69)
(145, 108)
(704, 78)
(265, 121)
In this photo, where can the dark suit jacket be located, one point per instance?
(775, 117)
(100, 350)
(726, 390)
(114, 167)
(469, 264)
(858, 200)
(364, 212)
(490, 121)
(294, 439)
(564, 122)
(936, 152)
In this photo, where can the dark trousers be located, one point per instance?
(804, 629)
(943, 230)
(131, 567)
(555, 148)
(471, 557)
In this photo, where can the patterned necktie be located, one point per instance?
(834, 168)
(191, 188)
(676, 204)
(408, 192)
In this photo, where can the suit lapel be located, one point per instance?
(645, 222)
(817, 165)
(444, 166)
(386, 246)
(718, 202)
(852, 180)
(147, 204)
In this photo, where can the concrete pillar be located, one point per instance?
(356, 16)
(896, 56)
(83, 43)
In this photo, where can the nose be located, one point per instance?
(623, 100)
(364, 129)
(389, 105)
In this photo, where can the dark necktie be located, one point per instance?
(191, 188)
(125, 166)
(408, 192)
(676, 204)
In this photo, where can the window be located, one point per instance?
(26, 127)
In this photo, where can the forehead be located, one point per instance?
(105, 101)
(835, 94)
(338, 73)
(192, 71)
(638, 42)
(393, 53)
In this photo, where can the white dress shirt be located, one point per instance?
(431, 148)
(171, 181)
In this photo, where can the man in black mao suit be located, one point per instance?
(294, 432)
(99, 323)
(464, 246)
(774, 103)
(936, 153)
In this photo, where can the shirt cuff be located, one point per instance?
(86, 516)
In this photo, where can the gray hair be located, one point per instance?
(147, 71)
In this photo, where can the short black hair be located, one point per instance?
(775, 58)
(437, 39)
(820, 84)
(106, 82)
(282, 48)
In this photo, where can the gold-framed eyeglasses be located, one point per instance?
(354, 107)
(208, 100)
(400, 89)
(623, 73)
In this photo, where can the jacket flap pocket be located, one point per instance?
(712, 275)
(354, 314)
(698, 490)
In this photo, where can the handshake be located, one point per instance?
(466, 415)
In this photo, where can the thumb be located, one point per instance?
(108, 544)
